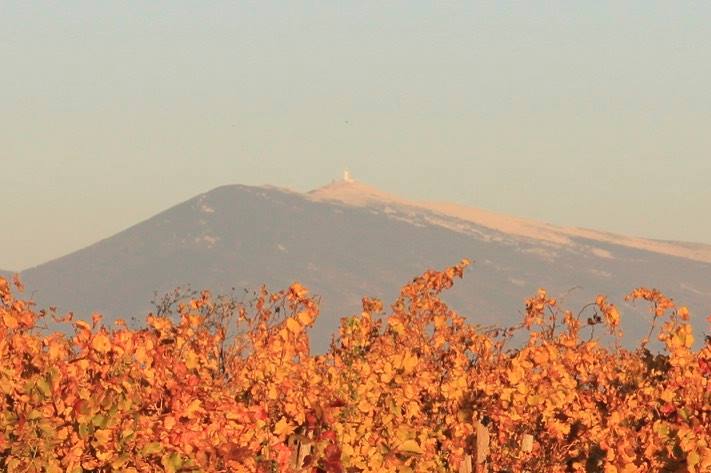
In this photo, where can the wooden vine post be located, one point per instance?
(482, 447)
(466, 465)
(301, 451)
(477, 464)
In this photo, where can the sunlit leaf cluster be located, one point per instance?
(230, 386)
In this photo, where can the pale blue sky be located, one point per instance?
(595, 114)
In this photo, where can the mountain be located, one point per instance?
(348, 240)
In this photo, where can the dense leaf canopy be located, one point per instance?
(221, 385)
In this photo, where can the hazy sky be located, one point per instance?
(594, 114)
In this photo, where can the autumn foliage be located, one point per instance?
(234, 387)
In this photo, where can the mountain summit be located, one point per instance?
(347, 240)
(352, 192)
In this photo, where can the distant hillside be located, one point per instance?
(347, 240)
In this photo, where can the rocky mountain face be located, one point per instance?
(348, 240)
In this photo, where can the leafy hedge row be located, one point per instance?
(221, 385)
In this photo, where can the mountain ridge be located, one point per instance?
(240, 237)
(352, 192)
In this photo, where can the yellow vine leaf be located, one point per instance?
(410, 446)
(283, 427)
(293, 326)
(101, 343)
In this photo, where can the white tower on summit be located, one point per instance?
(347, 176)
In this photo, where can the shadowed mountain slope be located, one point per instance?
(347, 240)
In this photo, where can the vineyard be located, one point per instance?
(218, 385)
